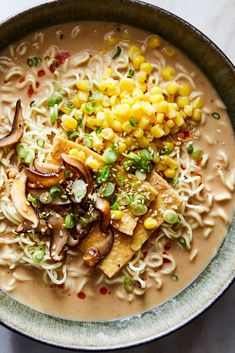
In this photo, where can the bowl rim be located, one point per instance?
(226, 283)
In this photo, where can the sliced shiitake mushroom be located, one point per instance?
(60, 236)
(44, 180)
(83, 170)
(17, 129)
(103, 206)
(42, 227)
(44, 167)
(96, 253)
(18, 195)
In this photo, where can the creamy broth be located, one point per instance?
(99, 301)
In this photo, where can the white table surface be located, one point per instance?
(212, 332)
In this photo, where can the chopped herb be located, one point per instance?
(34, 61)
(129, 284)
(131, 72)
(174, 278)
(54, 113)
(145, 166)
(103, 175)
(40, 142)
(54, 100)
(182, 241)
(98, 130)
(72, 134)
(216, 115)
(90, 107)
(79, 122)
(190, 149)
(69, 221)
(32, 199)
(117, 53)
(174, 181)
(97, 96)
(164, 151)
(55, 191)
(107, 189)
(67, 107)
(45, 198)
(146, 155)
(197, 155)
(87, 140)
(115, 206)
(133, 122)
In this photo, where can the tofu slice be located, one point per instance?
(128, 222)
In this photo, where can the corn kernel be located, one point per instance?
(69, 123)
(184, 90)
(175, 129)
(162, 107)
(154, 42)
(126, 127)
(179, 120)
(168, 51)
(138, 60)
(170, 123)
(116, 214)
(107, 133)
(111, 40)
(121, 147)
(197, 115)
(167, 130)
(182, 101)
(129, 140)
(78, 114)
(93, 163)
(168, 73)
(80, 98)
(170, 162)
(159, 118)
(146, 67)
(117, 126)
(137, 93)
(161, 166)
(127, 84)
(108, 72)
(188, 109)
(143, 123)
(134, 50)
(143, 142)
(137, 110)
(172, 111)
(141, 76)
(97, 142)
(157, 98)
(91, 122)
(138, 133)
(126, 35)
(83, 85)
(156, 90)
(169, 173)
(172, 87)
(197, 103)
(143, 86)
(113, 88)
(148, 108)
(150, 223)
(169, 146)
(157, 131)
(74, 153)
(109, 116)
(123, 110)
(102, 86)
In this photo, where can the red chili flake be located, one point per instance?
(22, 79)
(186, 134)
(62, 56)
(165, 260)
(53, 66)
(37, 84)
(60, 286)
(145, 252)
(30, 91)
(167, 246)
(103, 290)
(137, 284)
(81, 295)
(41, 73)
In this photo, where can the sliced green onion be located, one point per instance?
(174, 181)
(174, 278)
(216, 115)
(170, 217)
(109, 156)
(30, 62)
(190, 149)
(107, 189)
(69, 221)
(197, 155)
(131, 72)
(123, 200)
(90, 107)
(182, 241)
(103, 175)
(145, 166)
(138, 209)
(139, 198)
(79, 190)
(115, 206)
(117, 53)
(29, 157)
(68, 173)
(57, 86)
(45, 198)
(32, 199)
(33, 61)
(120, 179)
(40, 142)
(38, 255)
(55, 191)
(140, 175)
(134, 156)
(54, 100)
(72, 134)
(128, 284)
(54, 113)
(97, 96)
(164, 151)
(129, 165)
(87, 140)
(146, 155)
(133, 122)
(21, 151)
(67, 107)
(98, 130)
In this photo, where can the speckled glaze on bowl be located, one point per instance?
(176, 312)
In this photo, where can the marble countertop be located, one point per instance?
(213, 331)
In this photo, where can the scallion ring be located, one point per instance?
(216, 115)
(107, 189)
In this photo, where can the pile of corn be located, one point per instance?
(130, 113)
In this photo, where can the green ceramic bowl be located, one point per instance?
(219, 273)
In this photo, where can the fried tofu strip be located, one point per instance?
(128, 222)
